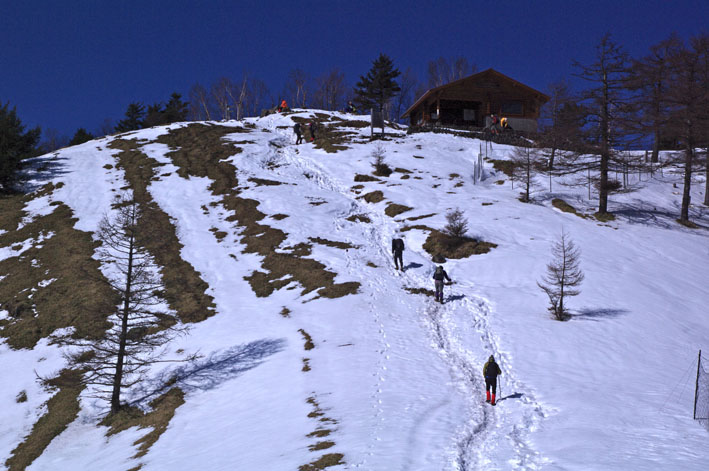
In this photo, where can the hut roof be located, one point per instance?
(488, 72)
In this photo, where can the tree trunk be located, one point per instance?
(603, 185)
(689, 157)
(551, 158)
(118, 377)
(706, 174)
(656, 147)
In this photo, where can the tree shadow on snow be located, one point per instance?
(40, 170)
(211, 371)
(598, 313)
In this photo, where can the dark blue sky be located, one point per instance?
(73, 64)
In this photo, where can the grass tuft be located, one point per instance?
(438, 243)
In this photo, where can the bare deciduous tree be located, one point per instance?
(330, 90)
(297, 88)
(442, 70)
(222, 92)
(139, 327)
(199, 103)
(526, 164)
(562, 276)
(408, 84)
(561, 123)
(606, 102)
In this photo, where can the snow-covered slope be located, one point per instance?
(392, 380)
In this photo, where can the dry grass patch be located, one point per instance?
(393, 209)
(306, 365)
(279, 216)
(504, 166)
(563, 206)
(285, 312)
(309, 345)
(486, 204)
(373, 197)
(420, 227)
(78, 297)
(438, 243)
(371, 264)
(365, 178)
(163, 409)
(201, 151)
(606, 217)
(402, 170)
(62, 409)
(332, 243)
(265, 182)
(359, 218)
(185, 291)
(416, 218)
(423, 291)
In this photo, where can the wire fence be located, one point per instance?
(701, 395)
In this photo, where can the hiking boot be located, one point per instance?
(493, 400)
(488, 396)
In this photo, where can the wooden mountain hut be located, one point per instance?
(470, 102)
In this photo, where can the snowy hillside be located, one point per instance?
(315, 352)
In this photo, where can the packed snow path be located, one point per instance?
(483, 435)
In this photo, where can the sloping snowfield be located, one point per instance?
(396, 376)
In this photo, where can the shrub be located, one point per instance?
(381, 169)
(457, 224)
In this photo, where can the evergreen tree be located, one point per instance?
(378, 86)
(134, 118)
(81, 136)
(15, 145)
(175, 110)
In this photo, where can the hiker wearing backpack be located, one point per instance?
(283, 106)
(298, 132)
(491, 371)
(397, 250)
(439, 276)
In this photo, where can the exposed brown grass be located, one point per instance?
(306, 365)
(185, 291)
(416, 218)
(365, 178)
(438, 243)
(606, 217)
(563, 205)
(687, 223)
(280, 268)
(163, 409)
(78, 297)
(62, 409)
(359, 218)
(309, 345)
(279, 216)
(402, 170)
(420, 227)
(424, 291)
(373, 197)
(265, 182)
(285, 312)
(394, 209)
(504, 166)
(332, 243)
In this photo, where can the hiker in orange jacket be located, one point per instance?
(283, 107)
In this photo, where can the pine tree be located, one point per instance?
(15, 145)
(378, 86)
(175, 109)
(81, 136)
(135, 114)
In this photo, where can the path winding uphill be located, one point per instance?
(435, 350)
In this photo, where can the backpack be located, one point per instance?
(439, 274)
(398, 245)
(296, 128)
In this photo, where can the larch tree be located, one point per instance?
(563, 275)
(527, 162)
(140, 327)
(688, 113)
(606, 105)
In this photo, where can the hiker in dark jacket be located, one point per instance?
(298, 133)
(438, 276)
(491, 370)
(311, 128)
(397, 250)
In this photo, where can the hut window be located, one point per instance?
(468, 115)
(512, 107)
